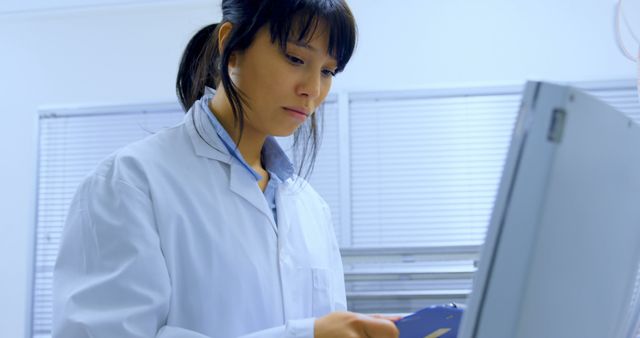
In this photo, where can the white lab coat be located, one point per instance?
(171, 237)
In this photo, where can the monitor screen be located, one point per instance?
(562, 250)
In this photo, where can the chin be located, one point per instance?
(284, 132)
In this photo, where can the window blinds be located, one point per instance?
(424, 173)
(425, 169)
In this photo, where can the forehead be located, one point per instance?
(317, 43)
(308, 28)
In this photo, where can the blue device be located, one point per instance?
(440, 321)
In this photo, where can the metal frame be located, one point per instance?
(344, 146)
(28, 331)
(46, 112)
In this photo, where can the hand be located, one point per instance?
(391, 318)
(355, 325)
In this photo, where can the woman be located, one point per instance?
(203, 230)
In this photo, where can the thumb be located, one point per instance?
(379, 328)
(391, 318)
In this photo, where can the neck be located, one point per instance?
(250, 146)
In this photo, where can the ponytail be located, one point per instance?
(197, 69)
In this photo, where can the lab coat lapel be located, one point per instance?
(244, 184)
(282, 207)
(295, 267)
(291, 218)
(207, 144)
(286, 207)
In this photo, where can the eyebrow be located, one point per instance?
(302, 44)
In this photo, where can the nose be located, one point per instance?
(309, 85)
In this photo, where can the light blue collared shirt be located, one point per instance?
(273, 158)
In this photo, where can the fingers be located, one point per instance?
(350, 324)
(391, 318)
(376, 327)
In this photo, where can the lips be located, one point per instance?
(299, 110)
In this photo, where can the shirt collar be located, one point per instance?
(275, 160)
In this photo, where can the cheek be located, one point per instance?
(260, 72)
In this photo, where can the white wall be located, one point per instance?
(127, 53)
(448, 42)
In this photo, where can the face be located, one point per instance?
(283, 88)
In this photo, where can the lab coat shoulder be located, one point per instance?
(166, 166)
(137, 163)
(111, 246)
(109, 243)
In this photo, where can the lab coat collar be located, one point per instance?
(207, 143)
(244, 184)
(203, 136)
(275, 159)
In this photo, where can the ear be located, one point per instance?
(223, 35)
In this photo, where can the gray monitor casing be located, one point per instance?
(562, 250)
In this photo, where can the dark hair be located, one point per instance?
(203, 65)
(193, 73)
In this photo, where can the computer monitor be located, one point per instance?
(562, 250)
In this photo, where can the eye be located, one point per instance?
(294, 59)
(327, 73)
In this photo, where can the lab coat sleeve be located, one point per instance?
(110, 278)
(301, 328)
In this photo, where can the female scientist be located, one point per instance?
(203, 229)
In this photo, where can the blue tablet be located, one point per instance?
(440, 321)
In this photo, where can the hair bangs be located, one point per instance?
(303, 20)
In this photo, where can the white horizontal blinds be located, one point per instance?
(425, 169)
(70, 147)
(325, 177)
